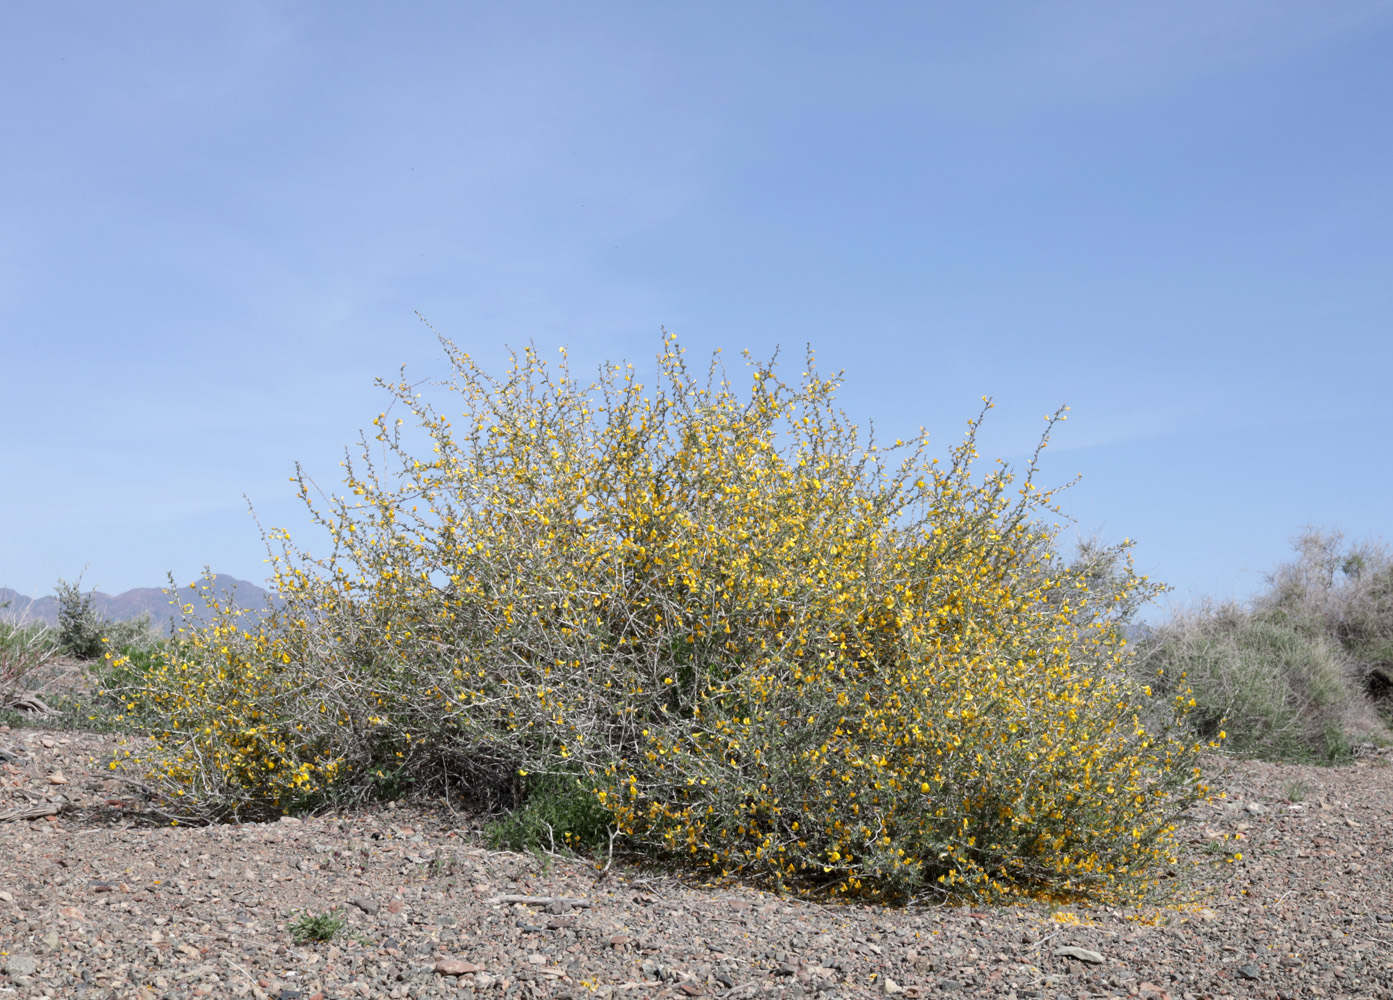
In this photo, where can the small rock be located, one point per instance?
(889, 987)
(1256, 809)
(1249, 971)
(5, 897)
(483, 981)
(21, 965)
(366, 905)
(57, 778)
(949, 985)
(559, 906)
(1082, 954)
(456, 967)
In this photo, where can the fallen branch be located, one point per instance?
(540, 900)
(31, 704)
(32, 812)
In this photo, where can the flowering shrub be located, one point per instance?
(759, 645)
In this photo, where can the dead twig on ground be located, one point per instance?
(40, 811)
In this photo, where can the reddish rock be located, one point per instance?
(456, 967)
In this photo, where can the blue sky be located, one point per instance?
(220, 220)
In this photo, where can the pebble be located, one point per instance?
(21, 965)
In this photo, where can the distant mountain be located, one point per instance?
(154, 601)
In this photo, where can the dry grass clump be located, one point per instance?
(25, 648)
(721, 624)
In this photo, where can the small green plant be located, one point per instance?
(556, 812)
(309, 927)
(1296, 791)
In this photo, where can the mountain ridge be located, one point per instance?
(158, 602)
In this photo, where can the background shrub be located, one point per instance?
(84, 633)
(1290, 677)
(1343, 591)
(762, 645)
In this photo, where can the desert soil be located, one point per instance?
(98, 900)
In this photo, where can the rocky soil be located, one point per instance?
(98, 901)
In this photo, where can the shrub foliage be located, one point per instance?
(759, 644)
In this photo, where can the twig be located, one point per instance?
(32, 812)
(613, 832)
(32, 704)
(540, 900)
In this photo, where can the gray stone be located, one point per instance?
(1249, 971)
(21, 965)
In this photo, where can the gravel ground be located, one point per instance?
(97, 901)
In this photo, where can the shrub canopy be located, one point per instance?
(754, 642)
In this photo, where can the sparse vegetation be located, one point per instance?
(741, 636)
